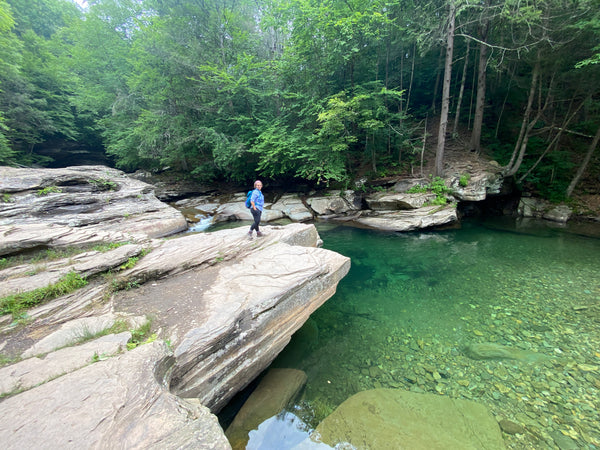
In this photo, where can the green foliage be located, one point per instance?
(16, 303)
(464, 180)
(436, 186)
(307, 90)
(418, 189)
(132, 261)
(104, 184)
(48, 190)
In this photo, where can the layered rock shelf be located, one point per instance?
(218, 308)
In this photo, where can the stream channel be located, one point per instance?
(412, 303)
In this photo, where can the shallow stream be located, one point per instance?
(413, 302)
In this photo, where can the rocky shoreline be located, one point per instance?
(161, 333)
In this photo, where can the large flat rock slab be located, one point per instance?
(395, 419)
(228, 318)
(117, 403)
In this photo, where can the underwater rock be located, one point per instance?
(391, 418)
(488, 350)
(510, 427)
(275, 391)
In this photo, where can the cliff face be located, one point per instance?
(219, 307)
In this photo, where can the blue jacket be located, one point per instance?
(258, 198)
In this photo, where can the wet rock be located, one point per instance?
(564, 442)
(542, 209)
(274, 392)
(510, 427)
(388, 418)
(496, 351)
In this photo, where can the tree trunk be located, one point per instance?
(412, 75)
(462, 89)
(584, 163)
(481, 82)
(439, 154)
(554, 140)
(512, 73)
(534, 79)
(532, 124)
(437, 80)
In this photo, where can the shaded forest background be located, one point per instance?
(303, 90)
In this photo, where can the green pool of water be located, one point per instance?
(412, 302)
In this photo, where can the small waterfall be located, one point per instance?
(204, 221)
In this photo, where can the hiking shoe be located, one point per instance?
(259, 234)
(250, 234)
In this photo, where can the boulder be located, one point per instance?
(276, 390)
(96, 197)
(479, 186)
(425, 217)
(389, 418)
(335, 202)
(236, 209)
(254, 305)
(397, 201)
(293, 207)
(530, 207)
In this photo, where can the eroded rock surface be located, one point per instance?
(96, 197)
(120, 402)
(425, 217)
(226, 304)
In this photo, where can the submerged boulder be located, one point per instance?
(491, 350)
(389, 418)
(275, 391)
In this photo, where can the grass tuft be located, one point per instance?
(16, 303)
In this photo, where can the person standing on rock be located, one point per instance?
(256, 206)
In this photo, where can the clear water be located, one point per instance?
(411, 303)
